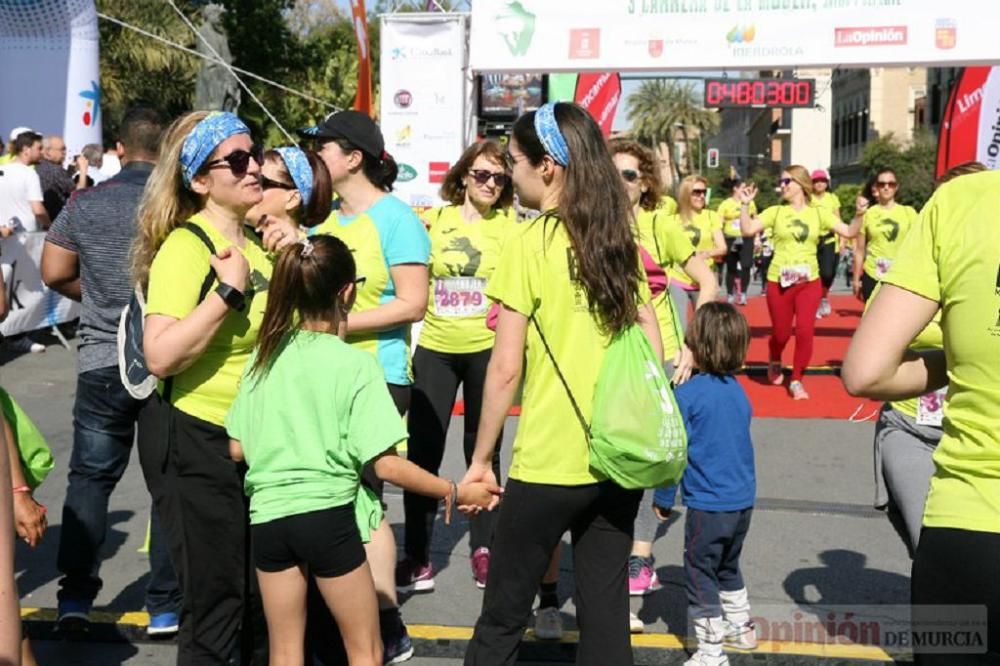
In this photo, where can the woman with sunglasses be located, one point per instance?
(739, 259)
(827, 254)
(793, 287)
(455, 343)
(197, 341)
(885, 225)
(296, 188)
(704, 228)
(391, 249)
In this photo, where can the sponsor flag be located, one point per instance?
(599, 92)
(971, 126)
(363, 98)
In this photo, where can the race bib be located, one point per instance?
(882, 267)
(460, 296)
(736, 225)
(794, 274)
(930, 408)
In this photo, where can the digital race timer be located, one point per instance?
(781, 93)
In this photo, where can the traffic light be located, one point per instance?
(713, 158)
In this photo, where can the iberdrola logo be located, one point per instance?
(741, 34)
(517, 26)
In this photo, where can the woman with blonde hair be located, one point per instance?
(793, 285)
(206, 277)
(704, 228)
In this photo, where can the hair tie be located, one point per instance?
(205, 137)
(298, 168)
(549, 134)
(385, 156)
(307, 247)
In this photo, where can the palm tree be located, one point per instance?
(690, 115)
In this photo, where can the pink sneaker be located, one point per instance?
(642, 577)
(480, 561)
(798, 391)
(774, 375)
(411, 576)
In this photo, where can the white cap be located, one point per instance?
(18, 131)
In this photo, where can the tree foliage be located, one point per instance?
(913, 164)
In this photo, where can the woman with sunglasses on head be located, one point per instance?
(296, 188)
(793, 287)
(739, 259)
(704, 228)
(197, 340)
(455, 343)
(391, 249)
(827, 254)
(575, 272)
(885, 225)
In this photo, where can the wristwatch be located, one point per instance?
(233, 297)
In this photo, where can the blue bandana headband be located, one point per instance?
(206, 136)
(548, 133)
(299, 169)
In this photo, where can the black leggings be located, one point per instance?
(533, 518)
(867, 286)
(437, 376)
(826, 255)
(957, 567)
(739, 258)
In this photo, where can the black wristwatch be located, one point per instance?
(233, 297)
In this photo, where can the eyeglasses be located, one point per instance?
(238, 161)
(268, 184)
(699, 192)
(482, 176)
(629, 175)
(359, 281)
(784, 182)
(890, 184)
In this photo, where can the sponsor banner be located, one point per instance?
(422, 100)
(599, 94)
(653, 35)
(363, 97)
(32, 305)
(971, 127)
(56, 42)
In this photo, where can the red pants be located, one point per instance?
(797, 303)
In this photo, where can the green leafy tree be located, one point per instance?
(913, 164)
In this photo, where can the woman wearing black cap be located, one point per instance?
(391, 249)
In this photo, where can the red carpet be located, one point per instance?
(828, 400)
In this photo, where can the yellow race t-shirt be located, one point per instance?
(795, 235)
(830, 202)
(701, 232)
(952, 256)
(463, 257)
(668, 245)
(730, 211)
(206, 389)
(537, 276)
(667, 205)
(884, 230)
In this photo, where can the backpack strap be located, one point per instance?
(576, 407)
(656, 240)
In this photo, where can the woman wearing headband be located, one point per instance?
(204, 310)
(576, 272)
(296, 188)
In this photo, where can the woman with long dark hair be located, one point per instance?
(574, 272)
(884, 227)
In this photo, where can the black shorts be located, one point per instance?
(401, 397)
(327, 541)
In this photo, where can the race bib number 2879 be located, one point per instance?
(460, 296)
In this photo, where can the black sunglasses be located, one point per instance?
(482, 176)
(268, 184)
(629, 175)
(699, 192)
(784, 182)
(238, 161)
(891, 184)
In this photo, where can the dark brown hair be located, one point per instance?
(380, 171)
(963, 169)
(302, 288)
(649, 172)
(453, 188)
(595, 208)
(318, 208)
(718, 338)
(25, 140)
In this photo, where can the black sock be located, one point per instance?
(390, 621)
(548, 596)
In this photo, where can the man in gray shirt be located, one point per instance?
(86, 258)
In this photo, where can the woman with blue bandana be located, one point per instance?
(206, 278)
(575, 271)
(296, 188)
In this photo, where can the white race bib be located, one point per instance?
(794, 274)
(460, 296)
(930, 408)
(882, 266)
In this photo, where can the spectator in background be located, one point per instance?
(8, 156)
(56, 182)
(21, 207)
(111, 163)
(86, 259)
(94, 156)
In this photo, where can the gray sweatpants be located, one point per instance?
(903, 466)
(646, 522)
(681, 299)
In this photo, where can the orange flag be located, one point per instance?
(363, 98)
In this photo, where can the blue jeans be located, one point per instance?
(104, 419)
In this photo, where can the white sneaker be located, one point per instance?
(548, 624)
(635, 625)
(730, 299)
(741, 637)
(37, 348)
(700, 658)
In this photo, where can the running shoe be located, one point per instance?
(411, 576)
(548, 624)
(73, 615)
(480, 562)
(397, 649)
(741, 637)
(642, 577)
(774, 374)
(798, 391)
(824, 309)
(730, 299)
(743, 299)
(700, 658)
(635, 625)
(163, 624)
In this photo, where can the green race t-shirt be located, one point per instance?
(668, 245)
(884, 230)
(207, 388)
(795, 235)
(831, 203)
(701, 232)
(308, 426)
(952, 256)
(730, 211)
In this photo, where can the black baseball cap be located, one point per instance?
(353, 126)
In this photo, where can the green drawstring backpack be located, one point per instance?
(36, 457)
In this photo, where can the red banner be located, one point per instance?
(599, 94)
(971, 126)
(363, 98)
